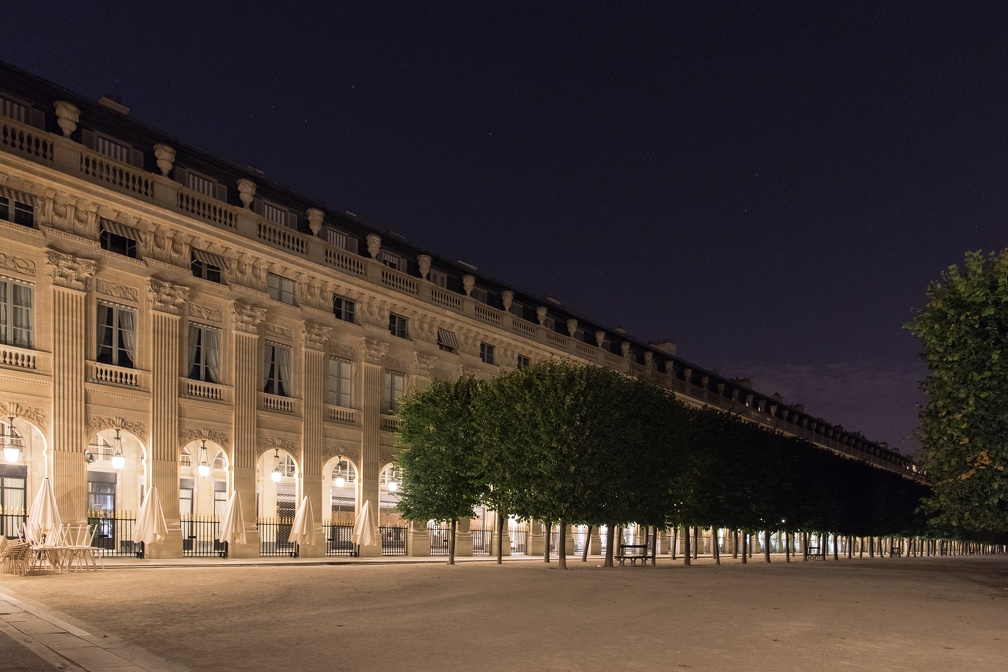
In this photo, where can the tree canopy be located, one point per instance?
(964, 424)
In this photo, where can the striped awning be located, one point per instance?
(446, 339)
(208, 258)
(120, 229)
(19, 196)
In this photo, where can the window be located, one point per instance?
(343, 309)
(186, 487)
(480, 294)
(17, 313)
(17, 211)
(280, 288)
(203, 185)
(13, 109)
(118, 238)
(277, 214)
(391, 260)
(341, 240)
(207, 266)
(113, 149)
(288, 468)
(439, 278)
(446, 340)
(487, 353)
(185, 459)
(398, 325)
(339, 385)
(345, 470)
(220, 498)
(276, 369)
(116, 335)
(524, 361)
(220, 462)
(204, 353)
(395, 384)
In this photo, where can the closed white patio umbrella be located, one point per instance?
(303, 529)
(232, 526)
(150, 524)
(365, 531)
(43, 516)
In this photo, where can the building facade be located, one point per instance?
(170, 319)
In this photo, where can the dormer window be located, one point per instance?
(341, 240)
(391, 260)
(201, 184)
(277, 214)
(21, 111)
(112, 148)
(438, 278)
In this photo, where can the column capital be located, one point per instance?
(166, 297)
(247, 318)
(423, 365)
(315, 335)
(372, 351)
(69, 271)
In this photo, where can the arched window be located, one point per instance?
(185, 459)
(220, 462)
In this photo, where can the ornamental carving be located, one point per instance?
(315, 335)
(70, 271)
(9, 262)
(116, 291)
(374, 311)
(168, 245)
(342, 350)
(192, 435)
(424, 364)
(280, 333)
(247, 318)
(86, 219)
(205, 313)
(372, 351)
(12, 409)
(96, 425)
(249, 271)
(314, 293)
(267, 444)
(166, 297)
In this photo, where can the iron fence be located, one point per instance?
(274, 537)
(440, 538)
(114, 534)
(339, 539)
(199, 537)
(11, 521)
(519, 541)
(393, 540)
(482, 542)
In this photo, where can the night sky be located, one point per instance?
(771, 189)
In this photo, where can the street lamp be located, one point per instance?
(276, 475)
(393, 486)
(118, 459)
(203, 468)
(339, 481)
(11, 451)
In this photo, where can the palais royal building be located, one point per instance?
(168, 318)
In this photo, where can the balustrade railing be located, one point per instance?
(19, 358)
(345, 261)
(119, 175)
(487, 314)
(523, 328)
(26, 140)
(482, 541)
(281, 237)
(274, 402)
(399, 281)
(519, 540)
(205, 207)
(198, 389)
(390, 423)
(115, 375)
(340, 414)
(443, 297)
(440, 538)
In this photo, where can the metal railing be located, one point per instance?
(199, 537)
(440, 538)
(519, 541)
(274, 537)
(114, 533)
(339, 539)
(393, 540)
(11, 521)
(482, 542)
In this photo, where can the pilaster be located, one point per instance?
(70, 276)
(372, 357)
(246, 321)
(315, 371)
(167, 301)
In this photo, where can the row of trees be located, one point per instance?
(569, 444)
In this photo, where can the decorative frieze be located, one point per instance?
(372, 351)
(247, 318)
(12, 409)
(9, 262)
(205, 313)
(167, 244)
(314, 294)
(69, 271)
(343, 350)
(97, 424)
(191, 435)
(423, 365)
(268, 443)
(249, 270)
(166, 297)
(279, 333)
(315, 335)
(374, 311)
(121, 292)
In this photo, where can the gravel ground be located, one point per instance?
(893, 614)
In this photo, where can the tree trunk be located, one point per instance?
(734, 550)
(587, 544)
(805, 544)
(451, 543)
(610, 540)
(562, 546)
(548, 533)
(686, 551)
(836, 542)
(696, 542)
(766, 545)
(715, 547)
(654, 547)
(787, 547)
(675, 540)
(500, 538)
(744, 536)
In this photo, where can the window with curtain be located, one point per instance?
(339, 384)
(116, 335)
(277, 369)
(204, 353)
(280, 288)
(17, 314)
(395, 385)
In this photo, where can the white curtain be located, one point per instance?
(211, 354)
(283, 359)
(105, 332)
(22, 318)
(194, 335)
(267, 364)
(127, 333)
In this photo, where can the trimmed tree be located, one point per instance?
(442, 471)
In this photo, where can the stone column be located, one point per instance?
(463, 539)
(315, 371)
(419, 538)
(167, 301)
(372, 357)
(246, 375)
(536, 542)
(70, 276)
(595, 541)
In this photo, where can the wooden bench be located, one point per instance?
(633, 553)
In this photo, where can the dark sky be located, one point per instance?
(772, 189)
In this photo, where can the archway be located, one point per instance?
(116, 475)
(277, 479)
(22, 469)
(340, 487)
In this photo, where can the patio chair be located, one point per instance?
(81, 550)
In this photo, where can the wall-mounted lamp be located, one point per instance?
(118, 459)
(11, 450)
(277, 474)
(203, 469)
